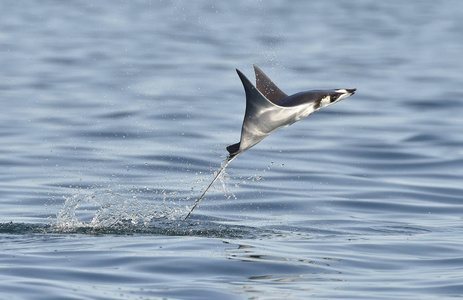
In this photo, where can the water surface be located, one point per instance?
(116, 115)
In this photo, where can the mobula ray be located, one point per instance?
(269, 109)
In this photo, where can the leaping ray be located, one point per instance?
(269, 109)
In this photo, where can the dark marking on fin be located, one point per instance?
(233, 148)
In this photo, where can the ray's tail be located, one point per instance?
(229, 160)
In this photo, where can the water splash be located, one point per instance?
(134, 211)
(109, 209)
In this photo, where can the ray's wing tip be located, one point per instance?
(240, 74)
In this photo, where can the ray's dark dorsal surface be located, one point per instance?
(269, 109)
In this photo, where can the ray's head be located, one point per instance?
(333, 96)
(319, 98)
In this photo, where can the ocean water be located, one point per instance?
(116, 114)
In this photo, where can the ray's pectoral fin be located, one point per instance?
(266, 86)
(255, 125)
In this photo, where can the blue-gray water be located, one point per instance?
(116, 114)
